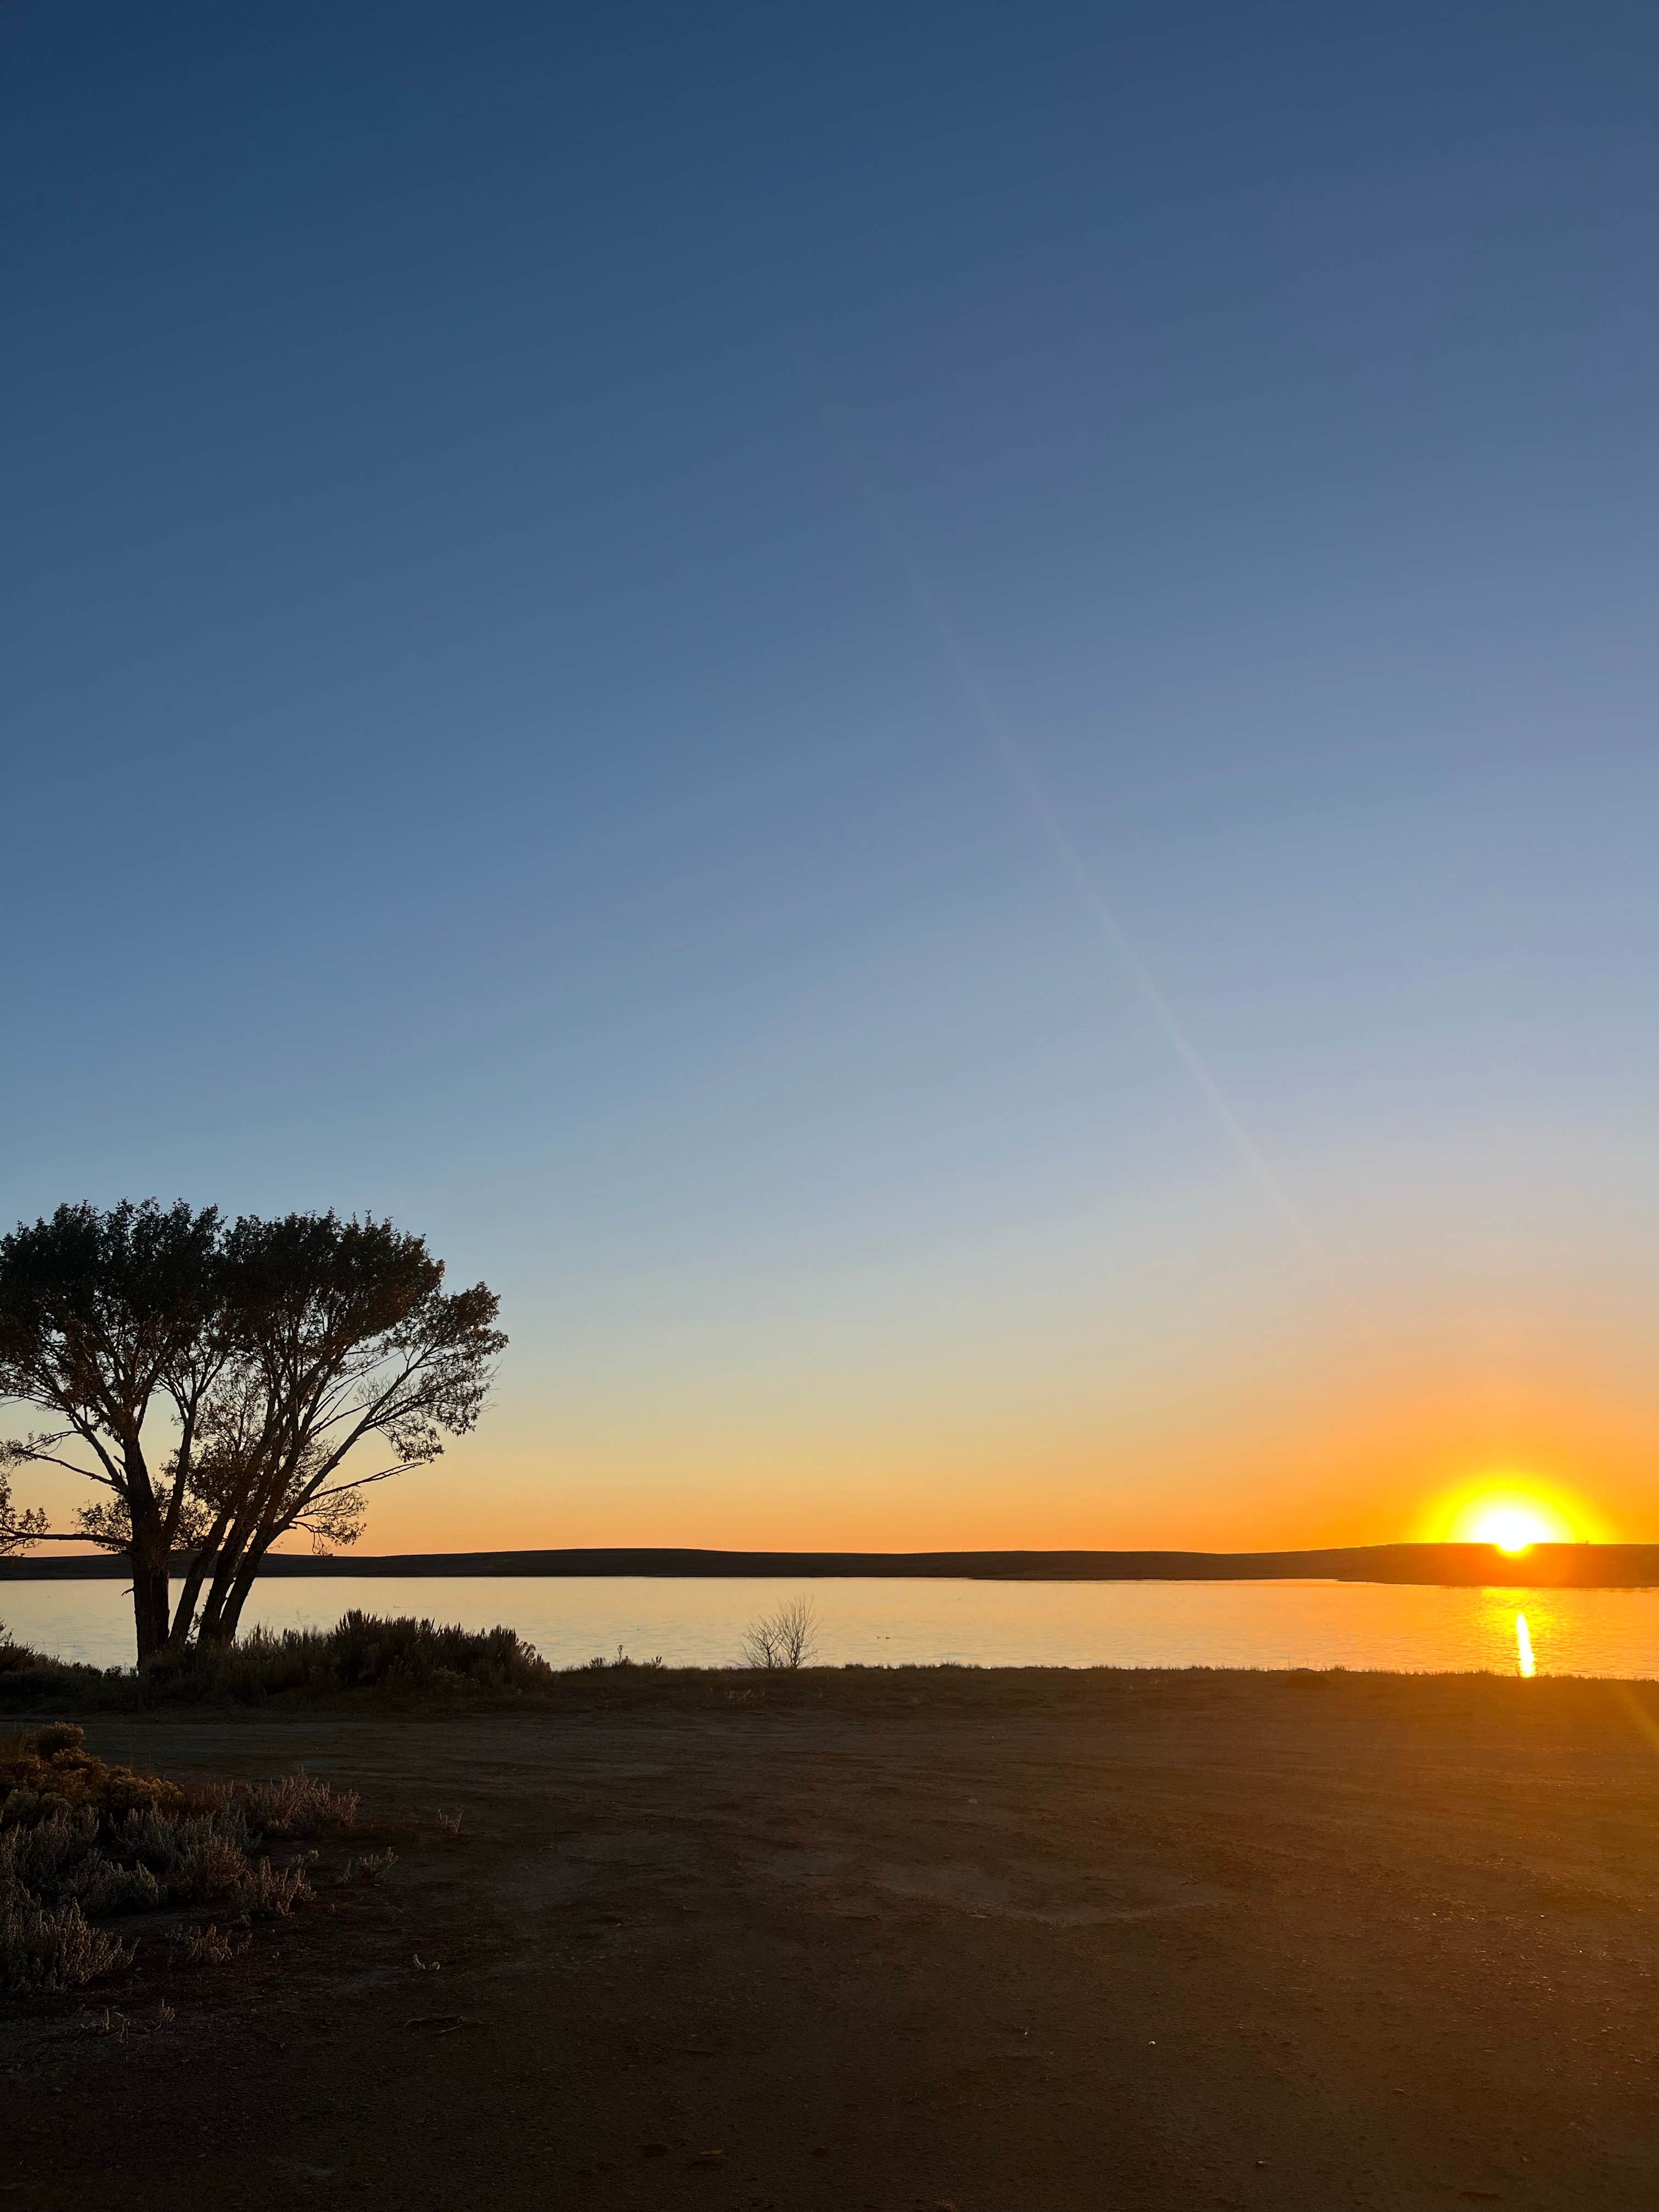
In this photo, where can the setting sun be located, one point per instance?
(1511, 1516)
(1512, 1510)
(1511, 1527)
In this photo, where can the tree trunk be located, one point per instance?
(150, 1605)
(231, 1617)
(191, 1589)
(208, 1630)
(225, 1567)
(147, 1551)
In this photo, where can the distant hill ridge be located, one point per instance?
(1545, 1566)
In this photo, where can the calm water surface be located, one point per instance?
(701, 1622)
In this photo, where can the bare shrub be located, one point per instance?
(176, 1847)
(370, 1867)
(275, 1890)
(213, 1867)
(296, 1805)
(102, 1888)
(206, 1946)
(44, 1949)
(39, 1856)
(784, 1640)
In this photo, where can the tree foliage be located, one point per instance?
(17, 1530)
(101, 1314)
(301, 1360)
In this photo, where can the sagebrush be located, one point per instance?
(82, 1840)
(362, 1652)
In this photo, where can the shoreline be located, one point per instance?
(1457, 1566)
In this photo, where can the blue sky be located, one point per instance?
(517, 518)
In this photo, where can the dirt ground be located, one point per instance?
(983, 1942)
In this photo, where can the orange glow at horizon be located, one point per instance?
(919, 1501)
(1514, 1512)
(1364, 1440)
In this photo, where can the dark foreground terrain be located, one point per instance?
(892, 1941)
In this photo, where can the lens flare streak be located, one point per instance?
(1525, 1664)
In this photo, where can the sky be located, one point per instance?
(936, 722)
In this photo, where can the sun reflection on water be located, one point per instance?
(1523, 1658)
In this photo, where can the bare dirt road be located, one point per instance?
(1022, 1941)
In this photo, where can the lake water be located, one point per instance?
(889, 1623)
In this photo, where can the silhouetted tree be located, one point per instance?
(349, 1351)
(101, 1315)
(284, 1352)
